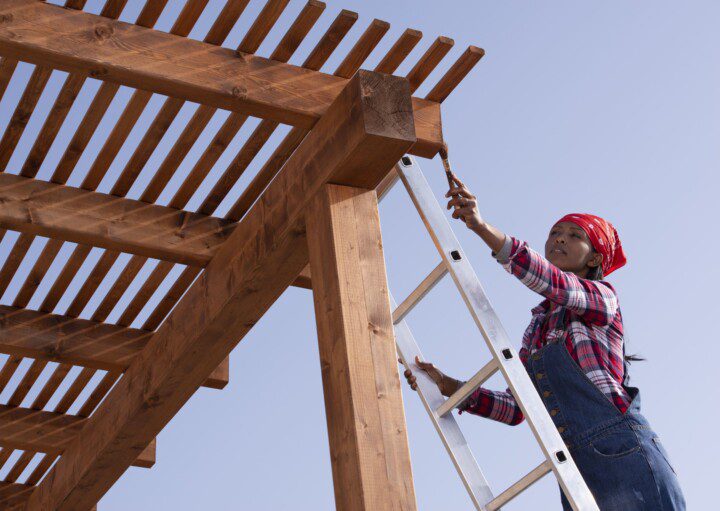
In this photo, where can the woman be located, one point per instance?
(574, 352)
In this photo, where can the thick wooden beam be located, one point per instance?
(50, 433)
(82, 342)
(363, 402)
(365, 131)
(79, 42)
(91, 218)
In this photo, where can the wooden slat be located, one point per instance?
(161, 123)
(22, 113)
(363, 401)
(50, 128)
(144, 294)
(91, 283)
(294, 36)
(171, 298)
(459, 70)
(167, 114)
(399, 51)
(8, 370)
(68, 93)
(116, 139)
(13, 261)
(181, 67)
(151, 11)
(26, 383)
(7, 68)
(118, 288)
(67, 274)
(47, 432)
(33, 90)
(104, 96)
(84, 132)
(136, 105)
(262, 25)
(257, 33)
(37, 207)
(18, 468)
(429, 61)
(368, 127)
(225, 21)
(362, 48)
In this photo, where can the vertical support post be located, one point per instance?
(363, 402)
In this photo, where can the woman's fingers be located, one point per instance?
(461, 202)
(463, 192)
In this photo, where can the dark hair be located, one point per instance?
(596, 273)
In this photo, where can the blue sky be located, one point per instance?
(606, 107)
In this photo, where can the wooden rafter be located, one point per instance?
(86, 44)
(49, 432)
(366, 130)
(91, 218)
(81, 342)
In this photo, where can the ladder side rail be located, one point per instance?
(447, 427)
(496, 338)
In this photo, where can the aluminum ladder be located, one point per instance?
(505, 359)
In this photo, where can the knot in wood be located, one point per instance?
(5, 18)
(239, 92)
(98, 73)
(103, 31)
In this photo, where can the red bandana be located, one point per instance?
(604, 239)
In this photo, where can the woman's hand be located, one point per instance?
(446, 384)
(465, 204)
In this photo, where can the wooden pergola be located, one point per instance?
(311, 209)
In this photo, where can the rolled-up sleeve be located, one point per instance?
(594, 301)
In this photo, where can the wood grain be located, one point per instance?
(363, 401)
(366, 130)
(47, 432)
(175, 66)
(70, 214)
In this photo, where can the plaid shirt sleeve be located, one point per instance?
(594, 301)
(495, 405)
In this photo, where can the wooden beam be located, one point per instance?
(14, 494)
(50, 433)
(363, 402)
(68, 340)
(91, 218)
(147, 59)
(365, 131)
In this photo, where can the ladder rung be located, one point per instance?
(473, 383)
(523, 484)
(424, 288)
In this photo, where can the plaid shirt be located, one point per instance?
(584, 314)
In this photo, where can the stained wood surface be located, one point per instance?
(70, 214)
(363, 401)
(68, 340)
(155, 61)
(366, 130)
(48, 432)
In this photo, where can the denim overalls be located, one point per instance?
(619, 456)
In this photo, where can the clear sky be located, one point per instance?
(604, 107)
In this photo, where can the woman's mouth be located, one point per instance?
(558, 251)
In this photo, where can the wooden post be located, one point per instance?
(363, 402)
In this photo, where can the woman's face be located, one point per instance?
(568, 247)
